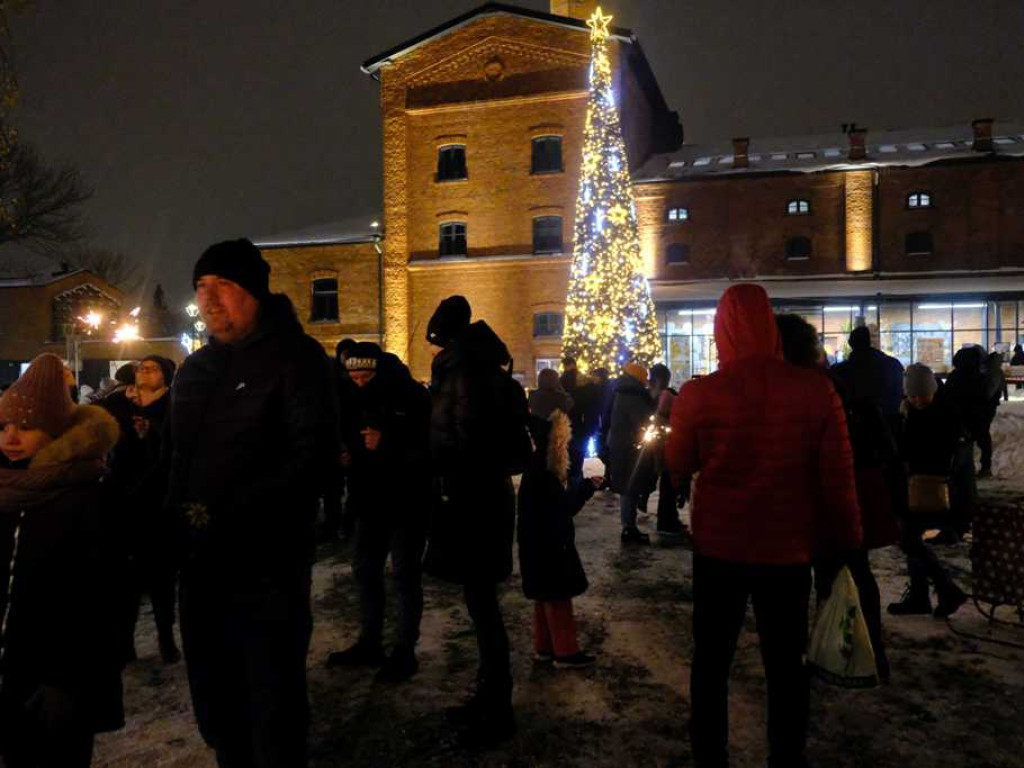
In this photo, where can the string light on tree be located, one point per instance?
(609, 318)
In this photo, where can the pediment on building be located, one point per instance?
(496, 67)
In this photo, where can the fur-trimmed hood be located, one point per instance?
(92, 435)
(75, 457)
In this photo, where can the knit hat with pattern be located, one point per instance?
(40, 398)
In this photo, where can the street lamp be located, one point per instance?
(193, 339)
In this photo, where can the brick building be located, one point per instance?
(39, 315)
(917, 232)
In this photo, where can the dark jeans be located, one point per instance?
(24, 743)
(825, 572)
(376, 536)
(963, 488)
(245, 645)
(668, 514)
(780, 594)
(155, 575)
(577, 455)
(922, 564)
(335, 519)
(494, 676)
(984, 439)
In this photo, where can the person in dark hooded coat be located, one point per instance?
(474, 400)
(59, 659)
(549, 498)
(632, 409)
(386, 426)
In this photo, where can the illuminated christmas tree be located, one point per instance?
(609, 317)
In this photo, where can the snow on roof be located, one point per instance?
(353, 230)
(37, 280)
(809, 154)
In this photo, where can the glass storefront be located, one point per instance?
(926, 331)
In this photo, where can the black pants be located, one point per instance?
(245, 646)
(153, 574)
(825, 572)
(780, 594)
(963, 488)
(25, 743)
(494, 676)
(668, 514)
(984, 438)
(922, 564)
(376, 536)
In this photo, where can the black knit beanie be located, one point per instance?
(167, 367)
(450, 319)
(236, 260)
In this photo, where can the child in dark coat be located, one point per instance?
(551, 569)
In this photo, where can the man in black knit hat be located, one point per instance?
(252, 435)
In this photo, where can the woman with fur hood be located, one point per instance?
(551, 568)
(58, 640)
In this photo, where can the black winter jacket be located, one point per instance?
(253, 434)
(548, 560)
(396, 473)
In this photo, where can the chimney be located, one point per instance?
(574, 9)
(858, 148)
(739, 153)
(982, 135)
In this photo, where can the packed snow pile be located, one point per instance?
(1008, 441)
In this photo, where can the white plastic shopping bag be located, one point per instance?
(840, 651)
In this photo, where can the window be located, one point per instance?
(918, 243)
(547, 155)
(547, 324)
(678, 214)
(453, 239)
(547, 234)
(451, 162)
(798, 248)
(919, 200)
(325, 300)
(677, 253)
(798, 207)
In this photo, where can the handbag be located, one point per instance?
(928, 494)
(840, 651)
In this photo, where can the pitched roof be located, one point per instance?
(371, 65)
(37, 280)
(810, 154)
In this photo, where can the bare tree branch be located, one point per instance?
(40, 206)
(116, 268)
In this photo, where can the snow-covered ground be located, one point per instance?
(954, 700)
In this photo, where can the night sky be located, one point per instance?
(199, 120)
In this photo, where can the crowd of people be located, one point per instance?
(207, 479)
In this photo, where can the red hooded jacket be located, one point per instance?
(769, 445)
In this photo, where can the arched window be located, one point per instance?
(547, 234)
(324, 306)
(798, 208)
(451, 162)
(547, 324)
(546, 155)
(798, 248)
(919, 200)
(677, 253)
(918, 243)
(453, 239)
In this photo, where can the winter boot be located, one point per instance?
(578, 660)
(400, 666)
(632, 535)
(915, 601)
(950, 600)
(362, 654)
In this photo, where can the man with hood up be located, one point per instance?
(477, 429)
(775, 488)
(253, 433)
